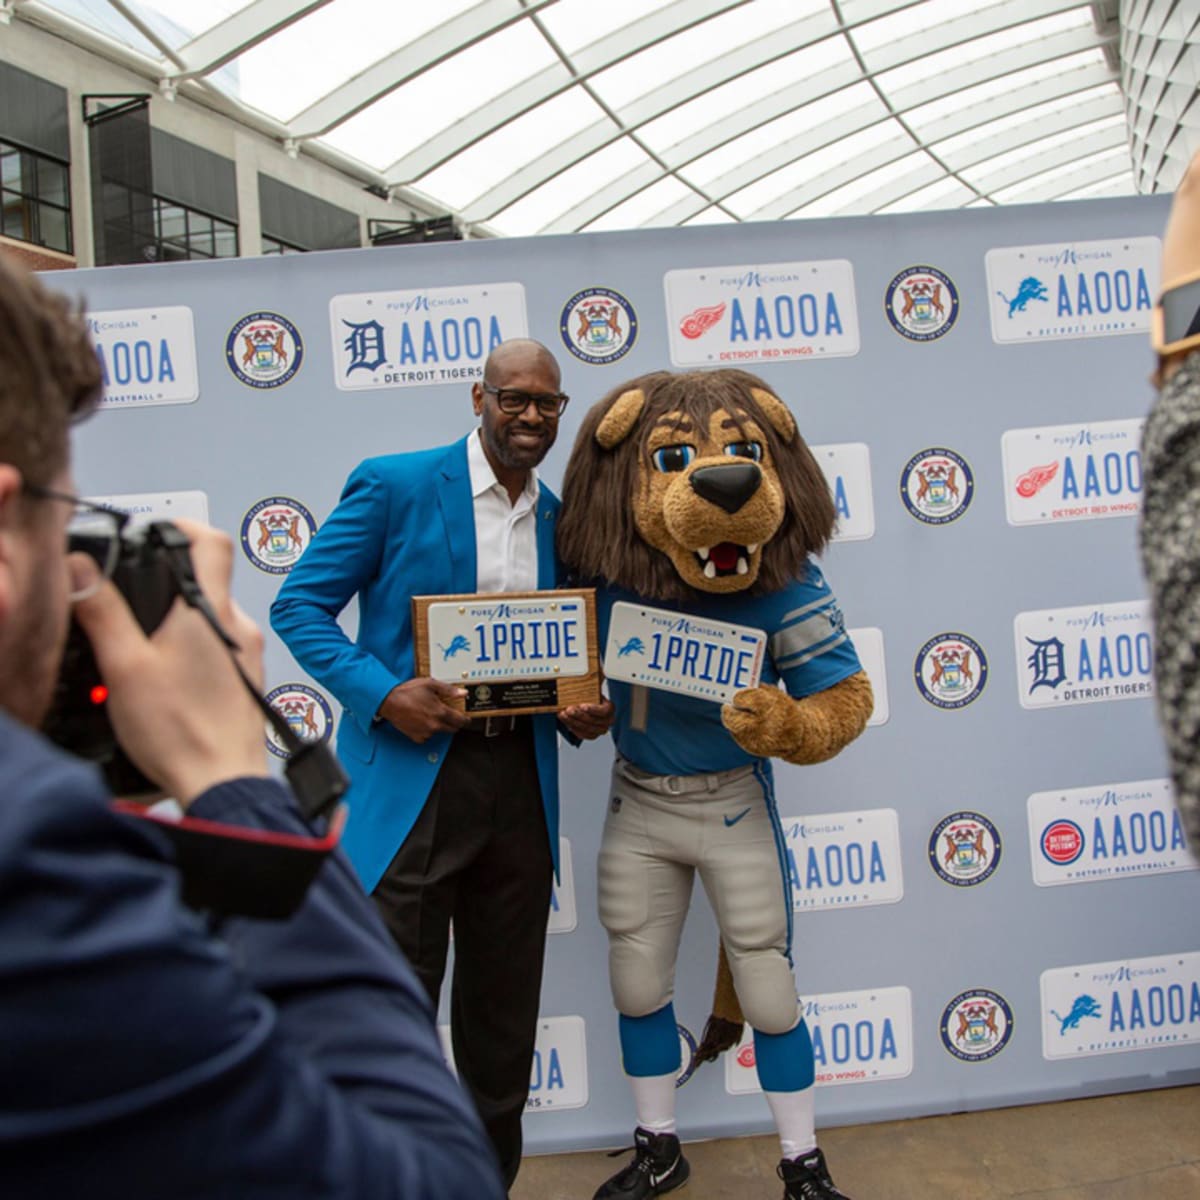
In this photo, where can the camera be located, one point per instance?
(78, 717)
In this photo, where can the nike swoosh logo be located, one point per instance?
(734, 820)
(655, 1180)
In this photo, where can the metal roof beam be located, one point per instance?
(410, 61)
(827, 83)
(793, 202)
(619, 45)
(1029, 169)
(235, 35)
(702, 79)
(992, 147)
(712, 74)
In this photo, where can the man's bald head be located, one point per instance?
(519, 355)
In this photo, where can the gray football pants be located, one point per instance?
(661, 830)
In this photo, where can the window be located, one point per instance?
(186, 233)
(36, 198)
(272, 245)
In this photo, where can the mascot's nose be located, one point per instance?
(728, 487)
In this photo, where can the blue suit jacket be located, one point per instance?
(404, 527)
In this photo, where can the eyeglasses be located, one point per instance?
(93, 530)
(549, 404)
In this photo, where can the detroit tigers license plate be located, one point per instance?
(675, 652)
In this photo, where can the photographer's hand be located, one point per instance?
(176, 703)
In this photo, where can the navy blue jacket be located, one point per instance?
(143, 1057)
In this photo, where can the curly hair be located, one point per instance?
(597, 536)
(49, 374)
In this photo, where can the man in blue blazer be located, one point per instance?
(451, 819)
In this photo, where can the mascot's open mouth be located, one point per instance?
(725, 558)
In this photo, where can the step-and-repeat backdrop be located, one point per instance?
(994, 903)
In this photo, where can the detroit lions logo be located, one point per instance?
(1084, 1006)
(458, 643)
(633, 646)
(1031, 288)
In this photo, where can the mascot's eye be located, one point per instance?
(672, 458)
(745, 450)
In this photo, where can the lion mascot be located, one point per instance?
(695, 493)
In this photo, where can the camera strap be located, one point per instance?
(238, 871)
(313, 772)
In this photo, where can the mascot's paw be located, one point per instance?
(767, 722)
(719, 1035)
(764, 721)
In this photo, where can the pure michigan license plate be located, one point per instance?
(508, 639)
(675, 652)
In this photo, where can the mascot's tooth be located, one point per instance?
(703, 552)
(710, 570)
(743, 565)
(751, 549)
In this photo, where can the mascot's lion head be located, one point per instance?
(699, 480)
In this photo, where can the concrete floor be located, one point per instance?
(1130, 1147)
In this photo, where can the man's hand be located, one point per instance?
(420, 708)
(177, 705)
(588, 721)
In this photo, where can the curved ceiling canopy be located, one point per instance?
(539, 116)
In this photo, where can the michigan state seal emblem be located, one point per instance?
(950, 670)
(976, 1025)
(937, 485)
(598, 325)
(921, 303)
(275, 532)
(264, 350)
(306, 711)
(964, 849)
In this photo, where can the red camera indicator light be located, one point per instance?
(98, 694)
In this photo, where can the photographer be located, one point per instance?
(142, 1055)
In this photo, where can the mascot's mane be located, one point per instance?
(597, 536)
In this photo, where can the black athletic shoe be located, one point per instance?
(807, 1178)
(658, 1166)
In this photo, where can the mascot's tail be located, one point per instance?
(723, 1030)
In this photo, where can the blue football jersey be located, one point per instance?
(807, 649)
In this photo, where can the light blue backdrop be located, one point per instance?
(912, 580)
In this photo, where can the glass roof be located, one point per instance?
(533, 116)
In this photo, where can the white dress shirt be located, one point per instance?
(505, 533)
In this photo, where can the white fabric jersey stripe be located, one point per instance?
(797, 613)
(798, 660)
(799, 636)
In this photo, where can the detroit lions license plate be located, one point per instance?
(498, 639)
(675, 652)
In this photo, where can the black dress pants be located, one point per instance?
(479, 855)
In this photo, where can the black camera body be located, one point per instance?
(78, 718)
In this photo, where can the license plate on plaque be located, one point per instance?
(675, 652)
(496, 640)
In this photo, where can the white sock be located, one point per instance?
(795, 1120)
(654, 1099)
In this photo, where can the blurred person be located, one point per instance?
(1170, 527)
(451, 818)
(144, 1055)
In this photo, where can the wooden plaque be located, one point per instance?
(513, 652)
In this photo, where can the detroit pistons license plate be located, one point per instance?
(675, 652)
